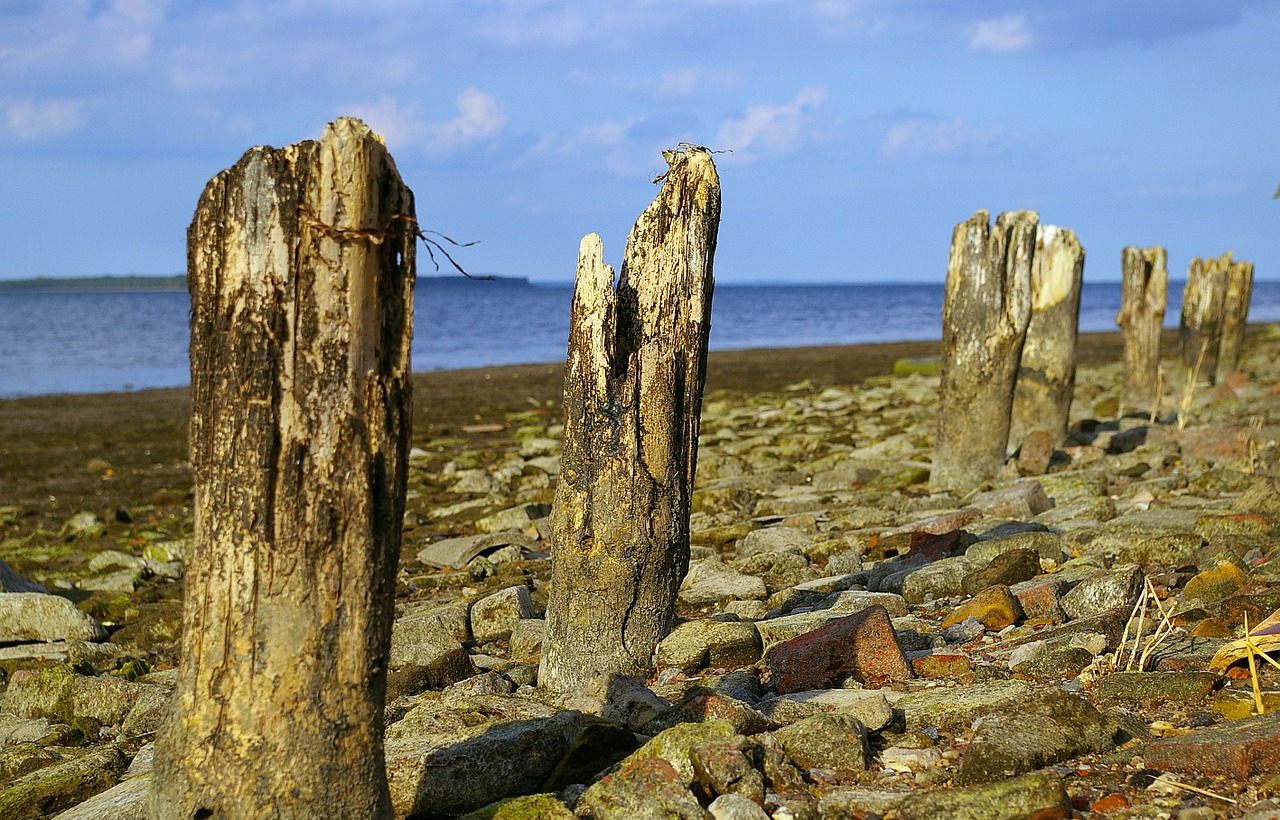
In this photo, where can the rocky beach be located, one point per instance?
(849, 644)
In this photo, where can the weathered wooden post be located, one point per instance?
(1144, 292)
(1235, 316)
(1047, 375)
(985, 311)
(1200, 330)
(300, 263)
(632, 400)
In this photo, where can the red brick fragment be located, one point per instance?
(1236, 749)
(939, 546)
(863, 646)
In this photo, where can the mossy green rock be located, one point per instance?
(1141, 688)
(673, 745)
(1038, 794)
(56, 788)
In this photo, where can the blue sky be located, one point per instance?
(861, 131)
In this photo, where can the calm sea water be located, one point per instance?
(100, 342)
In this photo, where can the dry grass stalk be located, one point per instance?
(1188, 787)
(1139, 652)
(1253, 669)
(1189, 388)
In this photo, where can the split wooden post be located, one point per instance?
(1047, 374)
(632, 402)
(300, 262)
(985, 312)
(1144, 292)
(1200, 330)
(1235, 316)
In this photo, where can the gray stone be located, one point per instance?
(778, 570)
(736, 807)
(14, 729)
(859, 800)
(1047, 545)
(424, 642)
(57, 693)
(81, 525)
(644, 788)
(773, 539)
(834, 741)
(458, 772)
(1008, 568)
(1033, 732)
(1038, 794)
(701, 644)
(1167, 548)
(956, 708)
(27, 617)
(1111, 589)
(870, 707)
(940, 579)
(896, 567)
(11, 581)
(622, 699)
(62, 785)
(711, 582)
(494, 616)
(124, 801)
(526, 638)
(458, 552)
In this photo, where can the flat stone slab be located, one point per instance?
(1236, 749)
(29, 617)
(456, 553)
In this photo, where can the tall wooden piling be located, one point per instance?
(301, 267)
(1235, 316)
(985, 311)
(632, 401)
(1200, 331)
(1047, 373)
(1144, 292)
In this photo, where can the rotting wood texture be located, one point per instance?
(1235, 316)
(301, 267)
(1047, 373)
(1144, 292)
(1200, 331)
(985, 311)
(632, 401)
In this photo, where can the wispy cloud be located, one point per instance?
(917, 139)
(480, 118)
(774, 129)
(1003, 34)
(34, 120)
(684, 82)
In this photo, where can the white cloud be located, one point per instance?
(684, 82)
(774, 129)
(930, 139)
(34, 120)
(1003, 34)
(480, 118)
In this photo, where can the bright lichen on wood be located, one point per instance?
(633, 399)
(301, 411)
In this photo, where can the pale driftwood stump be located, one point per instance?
(1200, 331)
(632, 399)
(1047, 374)
(301, 270)
(985, 311)
(1235, 316)
(1144, 292)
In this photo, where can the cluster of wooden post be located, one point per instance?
(1215, 310)
(301, 269)
(1009, 320)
